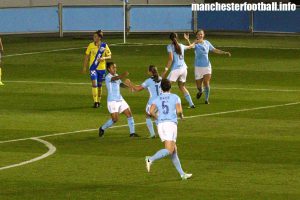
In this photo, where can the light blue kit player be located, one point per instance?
(165, 110)
(153, 86)
(178, 66)
(203, 69)
(115, 102)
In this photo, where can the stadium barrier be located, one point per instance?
(141, 18)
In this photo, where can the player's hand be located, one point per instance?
(101, 59)
(125, 74)
(181, 116)
(228, 53)
(127, 82)
(186, 36)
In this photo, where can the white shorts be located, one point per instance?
(117, 106)
(201, 71)
(167, 131)
(178, 75)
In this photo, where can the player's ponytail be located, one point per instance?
(154, 72)
(173, 37)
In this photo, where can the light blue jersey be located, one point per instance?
(153, 88)
(178, 60)
(201, 53)
(113, 88)
(166, 107)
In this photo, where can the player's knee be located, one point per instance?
(115, 119)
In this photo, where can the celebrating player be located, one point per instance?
(165, 110)
(153, 86)
(96, 55)
(202, 64)
(178, 66)
(115, 102)
(1, 52)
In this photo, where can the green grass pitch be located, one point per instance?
(247, 147)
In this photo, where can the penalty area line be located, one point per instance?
(141, 123)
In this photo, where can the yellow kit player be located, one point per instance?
(96, 55)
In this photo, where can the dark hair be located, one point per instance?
(173, 37)
(99, 33)
(154, 72)
(165, 85)
(109, 64)
(199, 30)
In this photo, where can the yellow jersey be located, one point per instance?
(92, 50)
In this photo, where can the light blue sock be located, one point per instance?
(131, 125)
(108, 124)
(150, 126)
(176, 163)
(206, 91)
(189, 99)
(159, 155)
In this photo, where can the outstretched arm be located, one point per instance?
(218, 51)
(136, 88)
(122, 76)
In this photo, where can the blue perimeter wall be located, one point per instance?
(142, 18)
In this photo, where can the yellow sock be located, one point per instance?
(95, 94)
(99, 93)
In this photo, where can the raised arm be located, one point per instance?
(187, 38)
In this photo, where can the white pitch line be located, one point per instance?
(140, 44)
(141, 123)
(216, 88)
(51, 150)
(39, 52)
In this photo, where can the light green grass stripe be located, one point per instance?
(141, 123)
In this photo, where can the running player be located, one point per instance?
(178, 67)
(202, 64)
(1, 52)
(153, 86)
(96, 55)
(168, 107)
(115, 102)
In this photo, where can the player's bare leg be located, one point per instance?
(199, 83)
(186, 94)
